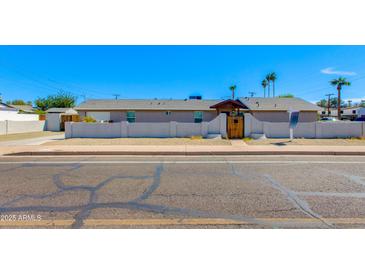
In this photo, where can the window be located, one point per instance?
(198, 116)
(168, 113)
(131, 116)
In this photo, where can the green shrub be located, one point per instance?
(88, 119)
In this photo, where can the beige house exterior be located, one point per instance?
(186, 111)
(193, 110)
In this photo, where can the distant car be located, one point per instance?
(328, 119)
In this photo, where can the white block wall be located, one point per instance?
(161, 130)
(10, 127)
(15, 116)
(320, 130)
(53, 121)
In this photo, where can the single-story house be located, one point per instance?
(195, 110)
(276, 109)
(28, 109)
(55, 120)
(10, 113)
(7, 111)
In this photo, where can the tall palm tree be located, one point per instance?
(233, 88)
(273, 78)
(264, 85)
(338, 83)
(267, 78)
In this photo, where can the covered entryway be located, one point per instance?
(234, 110)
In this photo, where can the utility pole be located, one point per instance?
(329, 102)
(83, 95)
(116, 96)
(252, 93)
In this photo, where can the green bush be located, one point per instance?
(89, 119)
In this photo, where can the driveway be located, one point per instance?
(25, 139)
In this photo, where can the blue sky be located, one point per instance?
(28, 72)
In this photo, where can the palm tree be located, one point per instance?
(264, 85)
(267, 78)
(273, 78)
(233, 88)
(338, 83)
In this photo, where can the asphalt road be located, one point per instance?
(183, 192)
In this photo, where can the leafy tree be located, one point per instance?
(287, 95)
(333, 103)
(60, 100)
(339, 83)
(18, 102)
(322, 103)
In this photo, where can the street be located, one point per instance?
(182, 192)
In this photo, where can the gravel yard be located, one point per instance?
(139, 141)
(308, 142)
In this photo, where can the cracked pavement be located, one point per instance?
(182, 192)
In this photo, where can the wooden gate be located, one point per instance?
(68, 118)
(235, 127)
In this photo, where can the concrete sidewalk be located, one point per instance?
(181, 150)
(33, 141)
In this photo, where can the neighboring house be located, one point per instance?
(149, 110)
(27, 109)
(7, 112)
(276, 109)
(54, 118)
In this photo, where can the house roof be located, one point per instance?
(24, 108)
(278, 104)
(147, 104)
(6, 107)
(61, 110)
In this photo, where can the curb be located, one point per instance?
(178, 153)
